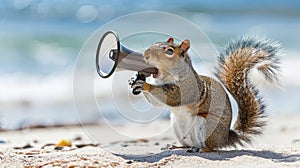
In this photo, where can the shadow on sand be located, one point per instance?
(219, 155)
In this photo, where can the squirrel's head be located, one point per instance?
(169, 58)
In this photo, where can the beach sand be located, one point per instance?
(279, 146)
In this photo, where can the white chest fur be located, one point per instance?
(189, 130)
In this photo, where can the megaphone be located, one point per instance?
(111, 55)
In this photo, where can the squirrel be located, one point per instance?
(201, 112)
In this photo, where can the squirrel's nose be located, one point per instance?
(147, 56)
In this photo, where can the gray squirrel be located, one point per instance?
(201, 112)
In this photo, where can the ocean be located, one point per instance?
(40, 43)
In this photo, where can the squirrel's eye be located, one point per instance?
(170, 51)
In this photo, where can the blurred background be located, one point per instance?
(40, 41)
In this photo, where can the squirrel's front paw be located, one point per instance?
(137, 86)
(136, 89)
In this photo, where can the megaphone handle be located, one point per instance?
(141, 76)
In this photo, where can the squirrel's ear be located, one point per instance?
(170, 40)
(185, 45)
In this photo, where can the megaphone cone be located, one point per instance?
(111, 55)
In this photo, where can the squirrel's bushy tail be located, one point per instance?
(235, 64)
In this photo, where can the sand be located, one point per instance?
(278, 147)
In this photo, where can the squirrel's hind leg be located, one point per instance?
(193, 150)
(206, 150)
(198, 149)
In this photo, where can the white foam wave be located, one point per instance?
(57, 87)
(22, 87)
(290, 70)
